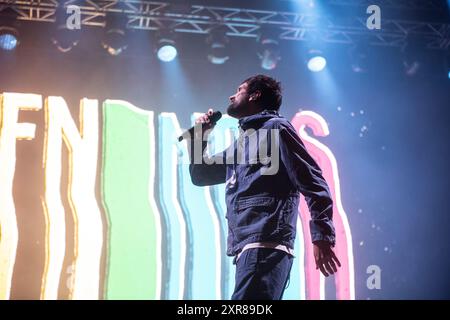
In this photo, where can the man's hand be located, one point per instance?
(207, 125)
(325, 258)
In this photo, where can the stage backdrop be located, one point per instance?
(96, 202)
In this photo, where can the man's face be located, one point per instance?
(239, 103)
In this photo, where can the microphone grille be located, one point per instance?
(216, 116)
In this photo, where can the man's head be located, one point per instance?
(254, 95)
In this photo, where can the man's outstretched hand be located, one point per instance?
(325, 258)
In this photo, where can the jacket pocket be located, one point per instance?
(288, 213)
(253, 215)
(252, 202)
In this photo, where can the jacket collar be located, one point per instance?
(257, 118)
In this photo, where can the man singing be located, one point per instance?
(265, 170)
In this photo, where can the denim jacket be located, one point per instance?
(262, 196)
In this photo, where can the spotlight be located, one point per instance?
(269, 53)
(316, 61)
(358, 58)
(114, 40)
(412, 54)
(308, 3)
(411, 64)
(218, 50)
(166, 50)
(447, 64)
(9, 34)
(64, 38)
(9, 38)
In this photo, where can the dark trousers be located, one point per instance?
(262, 274)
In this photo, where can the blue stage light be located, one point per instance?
(167, 51)
(8, 38)
(269, 53)
(317, 63)
(218, 51)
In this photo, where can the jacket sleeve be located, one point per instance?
(205, 170)
(307, 177)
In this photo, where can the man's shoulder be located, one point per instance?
(279, 122)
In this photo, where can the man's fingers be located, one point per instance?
(201, 119)
(322, 269)
(328, 267)
(333, 256)
(333, 265)
(204, 118)
(326, 260)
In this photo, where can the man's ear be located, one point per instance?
(255, 96)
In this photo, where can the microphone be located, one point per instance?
(212, 120)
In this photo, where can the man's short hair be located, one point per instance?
(270, 89)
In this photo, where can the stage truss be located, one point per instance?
(241, 22)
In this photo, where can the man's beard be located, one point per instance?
(234, 110)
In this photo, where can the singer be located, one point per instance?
(262, 207)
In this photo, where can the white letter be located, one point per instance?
(374, 281)
(272, 162)
(74, 21)
(374, 21)
(10, 130)
(83, 148)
